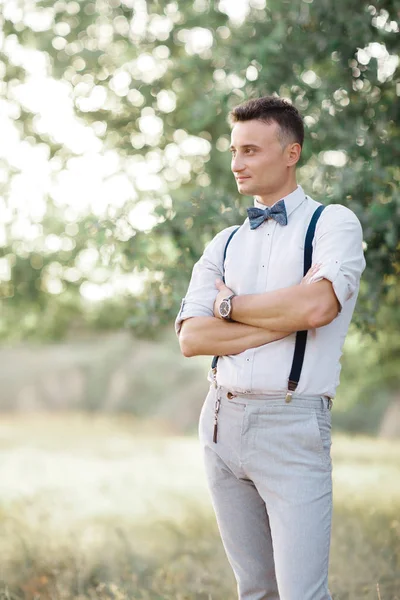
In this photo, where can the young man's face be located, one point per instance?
(260, 164)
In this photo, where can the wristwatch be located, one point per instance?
(225, 308)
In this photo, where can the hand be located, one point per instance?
(310, 273)
(223, 292)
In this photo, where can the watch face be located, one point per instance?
(224, 308)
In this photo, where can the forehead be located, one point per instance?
(254, 132)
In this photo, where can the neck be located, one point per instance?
(270, 198)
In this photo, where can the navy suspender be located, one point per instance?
(226, 248)
(301, 336)
(215, 359)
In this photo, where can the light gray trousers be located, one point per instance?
(269, 474)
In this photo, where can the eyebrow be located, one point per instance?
(245, 146)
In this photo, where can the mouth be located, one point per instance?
(241, 178)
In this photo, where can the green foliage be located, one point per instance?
(328, 58)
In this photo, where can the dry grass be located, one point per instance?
(113, 508)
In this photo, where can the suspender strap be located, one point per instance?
(226, 248)
(309, 239)
(301, 336)
(215, 359)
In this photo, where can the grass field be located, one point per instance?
(96, 507)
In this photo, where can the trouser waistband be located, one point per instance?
(255, 398)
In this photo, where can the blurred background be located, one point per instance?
(114, 175)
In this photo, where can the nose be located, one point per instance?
(237, 164)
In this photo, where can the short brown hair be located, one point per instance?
(269, 109)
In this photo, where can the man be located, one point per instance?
(266, 442)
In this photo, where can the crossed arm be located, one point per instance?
(260, 318)
(289, 309)
(211, 336)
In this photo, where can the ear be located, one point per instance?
(293, 152)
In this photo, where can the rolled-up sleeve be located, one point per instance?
(338, 248)
(201, 293)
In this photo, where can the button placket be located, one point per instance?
(265, 255)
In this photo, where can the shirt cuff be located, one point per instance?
(190, 309)
(179, 319)
(332, 272)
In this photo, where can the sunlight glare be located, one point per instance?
(141, 217)
(237, 11)
(335, 158)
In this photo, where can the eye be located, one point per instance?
(249, 151)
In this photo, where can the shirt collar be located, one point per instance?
(292, 200)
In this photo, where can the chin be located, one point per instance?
(245, 189)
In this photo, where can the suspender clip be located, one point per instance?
(292, 385)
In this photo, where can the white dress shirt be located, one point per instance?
(269, 258)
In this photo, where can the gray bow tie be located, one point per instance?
(258, 215)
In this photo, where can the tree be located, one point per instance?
(155, 82)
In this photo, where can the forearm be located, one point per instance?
(215, 337)
(289, 309)
(272, 310)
